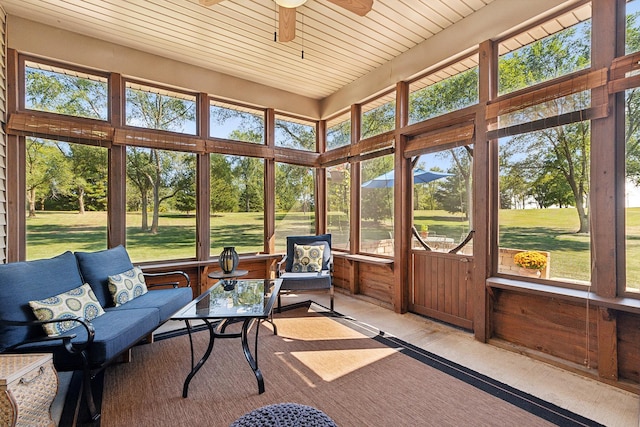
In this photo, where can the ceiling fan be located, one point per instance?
(287, 13)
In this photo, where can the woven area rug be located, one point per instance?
(354, 374)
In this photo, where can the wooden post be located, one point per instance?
(117, 185)
(485, 188)
(321, 181)
(607, 146)
(203, 185)
(402, 207)
(270, 185)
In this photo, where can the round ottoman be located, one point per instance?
(284, 415)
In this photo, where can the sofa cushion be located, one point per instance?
(167, 301)
(127, 285)
(116, 331)
(78, 302)
(96, 267)
(21, 282)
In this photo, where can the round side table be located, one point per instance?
(219, 274)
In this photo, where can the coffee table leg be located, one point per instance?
(247, 352)
(196, 368)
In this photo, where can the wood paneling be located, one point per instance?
(559, 328)
(376, 281)
(628, 334)
(442, 287)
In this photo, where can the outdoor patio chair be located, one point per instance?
(307, 265)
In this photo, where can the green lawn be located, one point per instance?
(553, 230)
(51, 233)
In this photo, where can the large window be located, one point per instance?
(557, 48)
(295, 133)
(378, 116)
(229, 121)
(339, 131)
(237, 203)
(544, 193)
(295, 202)
(67, 197)
(338, 203)
(376, 206)
(161, 207)
(64, 91)
(155, 108)
(449, 89)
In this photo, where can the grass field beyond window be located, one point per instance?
(553, 230)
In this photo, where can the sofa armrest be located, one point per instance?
(168, 275)
(280, 266)
(71, 347)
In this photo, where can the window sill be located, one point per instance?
(630, 305)
(365, 258)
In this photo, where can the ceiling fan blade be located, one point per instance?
(286, 23)
(359, 7)
(209, 2)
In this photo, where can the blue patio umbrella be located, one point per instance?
(420, 176)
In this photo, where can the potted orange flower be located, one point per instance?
(531, 260)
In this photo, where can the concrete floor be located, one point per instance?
(595, 400)
(600, 402)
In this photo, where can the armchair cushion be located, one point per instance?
(78, 302)
(306, 281)
(307, 258)
(96, 267)
(324, 239)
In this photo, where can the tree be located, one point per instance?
(454, 192)
(295, 135)
(632, 108)
(453, 93)
(224, 197)
(150, 170)
(185, 200)
(378, 120)
(79, 170)
(46, 172)
(249, 172)
(376, 203)
(340, 135)
(88, 167)
(563, 151)
(294, 188)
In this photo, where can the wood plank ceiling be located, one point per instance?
(236, 37)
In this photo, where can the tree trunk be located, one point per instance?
(156, 208)
(81, 200)
(143, 206)
(582, 216)
(31, 195)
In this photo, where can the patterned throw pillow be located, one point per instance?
(78, 302)
(307, 258)
(126, 286)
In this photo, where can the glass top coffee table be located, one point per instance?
(229, 301)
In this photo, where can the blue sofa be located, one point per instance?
(92, 345)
